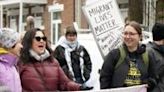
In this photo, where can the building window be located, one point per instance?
(123, 5)
(56, 15)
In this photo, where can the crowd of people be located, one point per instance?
(29, 64)
(37, 69)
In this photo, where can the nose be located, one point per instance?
(42, 40)
(127, 35)
(21, 46)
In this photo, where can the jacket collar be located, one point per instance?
(9, 59)
(155, 46)
(41, 57)
(140, 49)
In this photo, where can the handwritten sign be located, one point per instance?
(106, 23)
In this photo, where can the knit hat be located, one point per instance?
(158, 31)
(9, 37)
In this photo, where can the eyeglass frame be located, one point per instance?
(38, 38)
(129, 33)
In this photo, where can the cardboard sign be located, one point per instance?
(106, 24)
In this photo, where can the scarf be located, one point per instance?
(3, 51)
(41, 57)
(69, 47)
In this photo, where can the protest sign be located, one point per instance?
(90, 1)
(138, 88)
(106, 24)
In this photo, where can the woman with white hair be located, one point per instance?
(9, 51)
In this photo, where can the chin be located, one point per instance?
(128, 45)
(18, 55)
(41, 52)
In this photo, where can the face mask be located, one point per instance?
(161, 48)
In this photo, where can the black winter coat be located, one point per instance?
(113, 78)
(158, 55)
(59, 54)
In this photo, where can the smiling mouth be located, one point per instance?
(40, 46)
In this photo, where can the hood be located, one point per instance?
(8, 59)
(141, 48)
(158, 48)
(154, 46)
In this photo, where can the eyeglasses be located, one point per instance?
(129, 33)
(39, 38)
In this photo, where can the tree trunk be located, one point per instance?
(160, 11)
(135, 11)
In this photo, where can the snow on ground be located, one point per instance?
(87, 40)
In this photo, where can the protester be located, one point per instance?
(0, 42)
(3, 88)
(39, 71)
(29, 22)
(157, 49)
(9, 52)
(73, 57)
(135, 68)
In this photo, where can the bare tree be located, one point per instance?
(160, 11)
(135, 11)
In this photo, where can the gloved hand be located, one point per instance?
(84, 87)
(151, 83)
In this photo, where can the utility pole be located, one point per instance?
(78, 12)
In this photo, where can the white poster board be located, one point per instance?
(138, 88)
(90, 1)
(106, 23)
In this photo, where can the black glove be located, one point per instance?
(151, 83)
(84, 87)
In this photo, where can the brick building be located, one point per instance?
(52, 15)
(55, 15)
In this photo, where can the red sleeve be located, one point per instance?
(19, 68)
(66, 83)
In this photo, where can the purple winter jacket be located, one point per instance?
(9, 76)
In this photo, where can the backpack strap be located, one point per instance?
(145, 59)
(122, 57)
